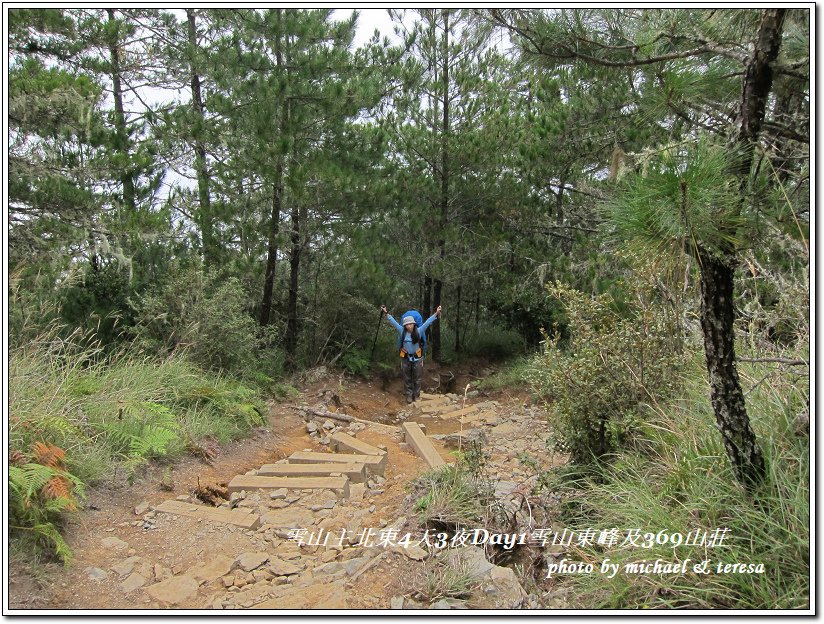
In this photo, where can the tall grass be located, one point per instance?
(106, 416)
(682, 481)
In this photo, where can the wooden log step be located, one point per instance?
(249, 482)
(460, 412)
(415, 438)
(355, 471)
(343, 442)
(237, 517)
(426, 395)
(375, 464)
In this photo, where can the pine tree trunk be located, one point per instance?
(277, 201)
(204, 212)
(717, 317)
(291, 338)
(122, 135)
(436, 327)
(458, 321)
(717, 270)
(272, 247)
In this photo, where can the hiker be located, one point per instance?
(411, 342)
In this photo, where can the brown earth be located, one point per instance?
(178, 546)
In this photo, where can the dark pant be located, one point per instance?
(412, 373)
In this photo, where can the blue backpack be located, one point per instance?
(418, 322)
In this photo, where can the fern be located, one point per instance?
(153, 441)
(29, 479)
(48, 532)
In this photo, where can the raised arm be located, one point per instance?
(389, 318)
(431, 319)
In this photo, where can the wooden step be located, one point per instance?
(250, 482)
(355, 471)
(344, 442)
(460, 412)
(237, 517)
(375, 464)
(422, 445)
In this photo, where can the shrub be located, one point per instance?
(614, 367)
(683, 483)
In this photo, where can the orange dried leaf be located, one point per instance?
(57, 487)
(48, 454)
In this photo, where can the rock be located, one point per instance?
(372, 508)
(278, 494)
(279, 567)
(161, 573)
(333, 598)
(288, 519)
(328, 425)
(396, 602)
(504, 489)
(249, 561)
(236, 497)
(329, 555)
(126, 567)
(311, 427)
(221, 565)
(228, 581)
(413, 551)
(174, 590)
(184, 497)
(114, 543)
(135, 581)
(456, 440)
(449, 603)
(498, 587)
(141, 508)
(502, 585)
(96, 574)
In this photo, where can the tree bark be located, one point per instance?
(272, 247)
(458, 321)
(122, 134)
(436, 327)
(277, 200)
(204, 213)
(717, 270)
(291, 338)
(717, 318)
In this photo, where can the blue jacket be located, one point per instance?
(411, 347)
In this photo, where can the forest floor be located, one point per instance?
(128, 556)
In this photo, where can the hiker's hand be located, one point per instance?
(438, 311)
(384, 310)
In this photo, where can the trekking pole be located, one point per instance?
(375, 342)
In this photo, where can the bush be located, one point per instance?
(614, 369)
(209, 321)
(683, 483)
(111, 416)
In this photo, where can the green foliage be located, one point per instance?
(444, 580)
(448, 497)
(610, 377)
(682, 483)
(684, 197)
(356, 362)
(208, 320)
(39, 497)
(514, 373)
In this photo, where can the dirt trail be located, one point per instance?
(149, 560)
